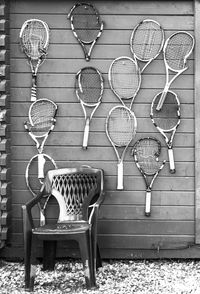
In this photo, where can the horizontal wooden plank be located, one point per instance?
(95, 139)
(106, 7)
(68, 95)
(131, 183)
(73, 111)
(166, 198)
(65, 36)
(94, 153)
(60, 65)
(74, 51)
(68, 80)
(98, 124)
(180, 22)
(144, 242)
(135, 227)
(183, 169)
(145, 227)
(125, 212)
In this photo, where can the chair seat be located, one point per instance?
(62, 228)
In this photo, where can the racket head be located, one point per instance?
(146, 152)
(31, 173)
(121, 126)
(89, 86)
(168, 118)
(147, 40)
(85, 22)
(124, 77)
(42, 114)
(34, 38)
(178, 47)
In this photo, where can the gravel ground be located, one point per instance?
(115, 277)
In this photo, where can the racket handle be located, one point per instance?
(42, 218)
(86, 134)
(33, 89)
(148, 203)
(41, 163)
(120, 176)
(162, 99)
(171, 161)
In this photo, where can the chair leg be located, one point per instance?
(98, 258)
(49, 255)
(87, 259)
(27, 257)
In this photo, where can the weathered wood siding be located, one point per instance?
(124, 231)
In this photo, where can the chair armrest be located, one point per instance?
(95, 208)
(26, 208)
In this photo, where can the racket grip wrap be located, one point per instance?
(148, 203)
(42, 218)
(171, 161)
(161, 101)
(86, 134)
(33, 89)
(41, 162)
(120, 176)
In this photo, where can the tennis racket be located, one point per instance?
(177, 49)
(89, 91)
(124, 78)
(42, 114)
(86, 26)
(167, 121)
(146, 152)
(121, 127)
(146, 42)
(34, 183)
(34, 40)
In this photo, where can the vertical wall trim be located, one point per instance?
(197, 118)
(5, 183)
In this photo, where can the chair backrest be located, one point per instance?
(75, 190)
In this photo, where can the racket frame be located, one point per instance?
(41, 58)
(87, 53)
(120, 158)
(111, 84)
(172, 131)
(41, 209)
(168, 82)
(147, 62)
(145, 175)
(84, 105)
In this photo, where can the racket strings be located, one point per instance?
(42, 117)
(147, 40)
(168, 117)
(86, 23)
(177, 49)
(90, 86)
(147, 152)
(34, 39)
(121, 127)
(125, 78)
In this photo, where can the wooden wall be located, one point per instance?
(124, 231)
